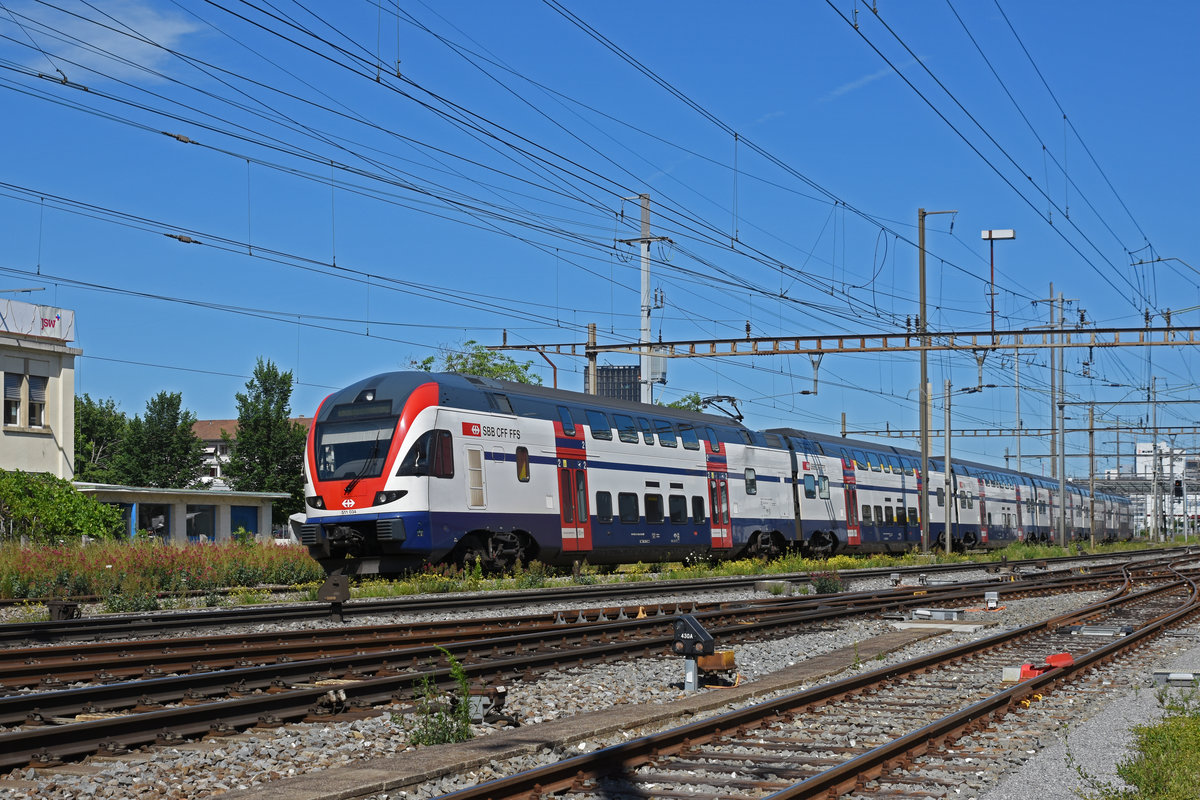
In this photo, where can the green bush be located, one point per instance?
(38, 508)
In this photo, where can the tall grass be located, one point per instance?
(147, 567)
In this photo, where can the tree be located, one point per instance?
(99, 429)
(689, 402)
(475, 359)
(268, 453)
(160, 450)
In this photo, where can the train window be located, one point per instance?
(647, 431)
(913, 519)
(581, 494)
(698, 516)
(846, 459)
(962, 500)
(567, 492)
(773, 440)
(666, 433)
(500, 403)
(598, 422)
(745, 435)
(888, 515)
(824, 487)
(687, 435)
(941, 496)
(523, 464)
(876, 461)
(860, 460)
(901, 517)
(654, 509)
(866, 515)
(751, 482)
(677, 504)
(713, 442)
(603, 507)
(564, 415)
(431, 455)
(894, 463)
(627, 506)
(626, 428)
(810, 487)
(910, 466)
(878, 515)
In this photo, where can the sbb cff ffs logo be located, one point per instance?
(472, 429)
(347, 503)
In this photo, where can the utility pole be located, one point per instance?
(1020, 423)
(1053, 392)
(644, 338)
(951, 481)
(1154, 471)
(591, 358)
(1092, 473)
(1062, 435)
(925, 389)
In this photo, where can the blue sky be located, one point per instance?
(366, 184)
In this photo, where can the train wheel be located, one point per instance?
(496, 553)
(822, 544)
(969, 540)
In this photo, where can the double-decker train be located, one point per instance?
(404, 469)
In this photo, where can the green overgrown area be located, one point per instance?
(1164, 763)
(131, 575)
(535, 575)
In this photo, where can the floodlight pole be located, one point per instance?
(923, 330)
(992, 236)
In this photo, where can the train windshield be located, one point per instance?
(354, 448)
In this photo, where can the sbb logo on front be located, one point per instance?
(347, 503)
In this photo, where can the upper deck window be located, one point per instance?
(564, 416)
(598, 422)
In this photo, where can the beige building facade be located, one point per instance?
(37, 419)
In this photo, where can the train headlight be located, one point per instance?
(315, 502)
(383, 498)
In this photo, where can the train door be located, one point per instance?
(853, 527)
(571, 459)
(984, 521)
(717, 469)
(1020, 517)
(718, 502)
(573, 505)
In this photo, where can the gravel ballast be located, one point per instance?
(239, 764)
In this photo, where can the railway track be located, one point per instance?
(48, 726)
(126, 626)
(880, 734)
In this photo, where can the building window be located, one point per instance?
(12, 398)
(29, 392)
